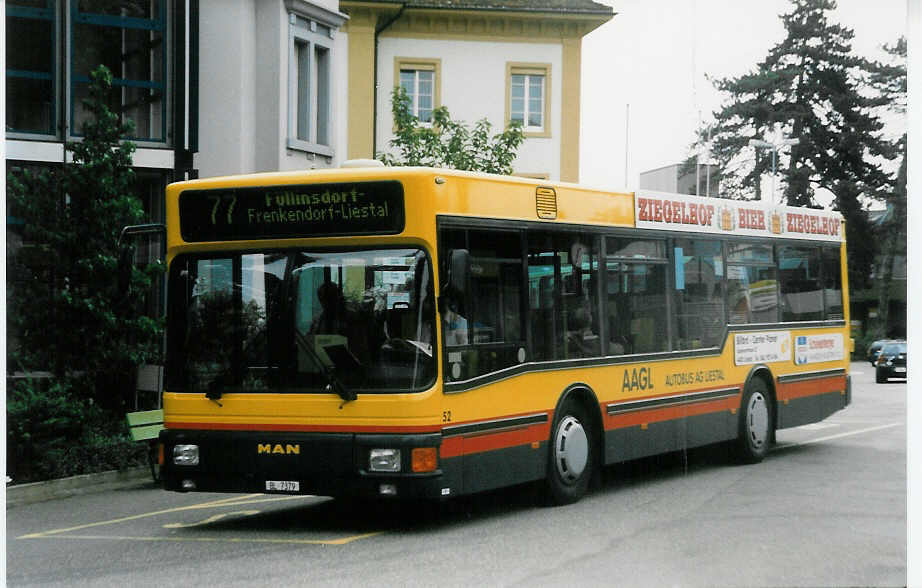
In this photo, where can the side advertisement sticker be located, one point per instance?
(749, 348)
(819, 348)
(680, 212)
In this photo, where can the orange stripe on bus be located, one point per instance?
(483, 442)
(302, 428)
(803, 388)
(668, 413)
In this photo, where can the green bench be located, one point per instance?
(146, 426)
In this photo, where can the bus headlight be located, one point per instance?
(185, 455)
(384, 460)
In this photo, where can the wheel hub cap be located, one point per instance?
(571, 449)
(757, 420)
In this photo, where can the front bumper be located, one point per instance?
(891, 371)
(326, 464)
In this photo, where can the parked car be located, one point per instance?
(874, 349)
(891, 362)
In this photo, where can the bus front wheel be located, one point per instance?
(572, 454)
(755, 424)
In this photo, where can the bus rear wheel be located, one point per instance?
(572, 455)
(755, 423)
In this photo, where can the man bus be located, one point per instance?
(427, 333)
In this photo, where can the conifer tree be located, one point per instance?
(889, 80)
(809, 86)
(68, 312)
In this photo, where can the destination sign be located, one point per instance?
(304, 210)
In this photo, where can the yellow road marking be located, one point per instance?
(236, 500)
(342, 541)
(211, 519)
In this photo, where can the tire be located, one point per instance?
(571, 454)
(879, 377)
(755, 423)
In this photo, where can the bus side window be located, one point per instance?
(832, 284)
(801, 289)
(483, 324)
(635, 295)
(543, 275)
(698, 301)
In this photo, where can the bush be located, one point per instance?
(54, 433)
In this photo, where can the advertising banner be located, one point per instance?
(680, 212)
(761, 347)
(819, 348)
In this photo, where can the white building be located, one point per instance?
(479, 58)
(272, 86)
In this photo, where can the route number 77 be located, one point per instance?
(231, 199)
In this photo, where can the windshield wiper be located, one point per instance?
(334, 385)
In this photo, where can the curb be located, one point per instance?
(22, 494)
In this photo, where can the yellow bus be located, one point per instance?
(427, 333)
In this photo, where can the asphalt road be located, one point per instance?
(827, 507)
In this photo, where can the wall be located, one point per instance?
(227, 76)
(243, 90)
(473, 86)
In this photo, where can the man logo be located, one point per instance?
(278, 448)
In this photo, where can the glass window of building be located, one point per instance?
(310, 86)
(129, 39)
(419, 78)
(30, 66)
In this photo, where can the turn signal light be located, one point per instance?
(423, 459)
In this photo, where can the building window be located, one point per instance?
(419, 78)
(528, 97)
(30, 66)
(309, 86)
(128, 37)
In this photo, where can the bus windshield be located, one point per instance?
(292, 320)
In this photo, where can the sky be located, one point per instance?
(644, 85)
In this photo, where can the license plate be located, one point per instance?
(901, 370)
(282, 486)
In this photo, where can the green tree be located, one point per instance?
(809, 86)
(69, 314)
(889, 80)
(449, 143)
